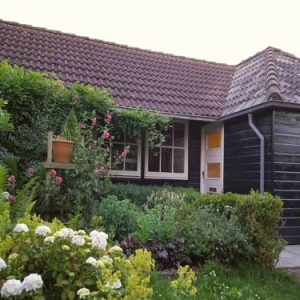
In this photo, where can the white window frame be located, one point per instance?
(129, 174)
(168, 175)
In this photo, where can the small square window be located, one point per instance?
(214, 140)
(213, 170)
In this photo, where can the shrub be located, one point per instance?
(164, 197)
(73, 263)
(158, 223)
(209, 234)
(258, 215)
(167, 255)
(119, 216)
(139, 194)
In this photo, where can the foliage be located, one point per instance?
(139, 194)
(158, 223)
(5, 124)
(248, 279)
(209, 234)
(119, 216)
(71, 263)
(258, 215)
(39, 102)
(184, 285)
(164, 197)
(217, 289)
(137, 122)
(24, 201)
(166, 255)
(70, 129)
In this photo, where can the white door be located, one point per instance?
(212, 158)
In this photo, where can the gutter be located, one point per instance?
(262, 153)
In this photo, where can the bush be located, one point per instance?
(68, 263)
(209, 234)
(158, 223)
(119, 216)
(139, 194)
(258, 215)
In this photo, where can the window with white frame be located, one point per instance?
(169, 160)
(125, 156)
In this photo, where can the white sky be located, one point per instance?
(217, 30)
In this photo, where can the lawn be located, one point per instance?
(268, 284)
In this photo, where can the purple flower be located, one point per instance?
(11, 181)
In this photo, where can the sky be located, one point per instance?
(226, 31)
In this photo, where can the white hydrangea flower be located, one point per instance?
(21, 228)
(42, 230)
(99, 242)
(98, 234)
(91, 261)
(2, 264)
(65, 233)
(106, 259)
(116, 285)
(32, 282)
(115, 249)
(78, 240)
(6, 195)
(83, 293)
(11, 288)
(65, 247)
(99, 264)
(49, 239)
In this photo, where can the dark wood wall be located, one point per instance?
(242, 153)
(286, 172)
(281, 130)
(193, 163)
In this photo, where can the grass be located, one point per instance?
(268, 284)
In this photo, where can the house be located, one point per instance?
(236, 128)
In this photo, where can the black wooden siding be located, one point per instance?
(287, 170)
(242, 153)
(193, 181)
(281, 130)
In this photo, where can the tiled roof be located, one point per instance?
(270, 75)
(155, 81)
(135, 77)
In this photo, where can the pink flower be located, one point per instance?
(101, 170)
(11, 199)
(94, 121)
(58, 180)
(126, 151)
(82, 126)
(108, 118)
(90, 146)
(11, 181)
(29, 172)
(106, 134)
(52, 173)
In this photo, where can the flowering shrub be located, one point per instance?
(48, 259)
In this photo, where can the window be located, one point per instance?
(129, 165)
(213, 140)
(169, 160)
(213, 170)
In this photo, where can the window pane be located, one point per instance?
(131, 159)
(214, 140)
(178, 161)
(213, 170)
(153, 163)
(117, 160)
(130, 139)
(168, 137)
(179, 134)
(166, 160)
(118, 134)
